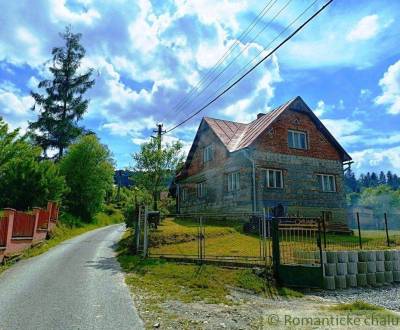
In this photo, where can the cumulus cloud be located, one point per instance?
(15, 106)
(390, 85)
(346, 131)
(366, 28)
(388, 158)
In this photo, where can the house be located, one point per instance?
(283, 160)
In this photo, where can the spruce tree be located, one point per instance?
(62, 104)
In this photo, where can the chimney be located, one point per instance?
(260, 115)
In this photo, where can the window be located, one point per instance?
(297, 140)
(233, 181)
(326, 182)
(207, 154)
(201, 189)
(274, 178)
(184, 194)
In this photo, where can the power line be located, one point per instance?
(254, 67)
(241, 38)
(241, 52)
(260, 51)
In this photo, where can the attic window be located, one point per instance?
(207, 154)
(297, 139)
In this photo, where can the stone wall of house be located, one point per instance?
(301, 193)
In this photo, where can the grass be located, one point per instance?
(226, 238)
(359, 307)
(166, 280)
(67, 228)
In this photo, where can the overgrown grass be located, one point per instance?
(68, 227)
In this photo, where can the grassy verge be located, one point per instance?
(158, 281)
(67, 228)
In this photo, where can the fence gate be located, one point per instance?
(297, 251)
(141, 232)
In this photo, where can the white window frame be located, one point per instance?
(201, 189)
(323, 188)
(267, 176)
(233, 181)
(207, 153)
(184, 194)
(296, 139)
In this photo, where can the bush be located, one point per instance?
(88, 172)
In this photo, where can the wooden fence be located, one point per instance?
(24, 224)
(20, 230)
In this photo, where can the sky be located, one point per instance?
(153, 61)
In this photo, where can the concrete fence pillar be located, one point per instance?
(36, 211)
(10, 214)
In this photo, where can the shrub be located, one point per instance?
(88, 172)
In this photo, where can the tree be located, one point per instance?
(350, 181)
(155, 166)
(382, 178)
(88, 170)
(62, 105)
(24, 180)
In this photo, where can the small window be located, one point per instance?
(184, 194)
(201, 189)
(297, 140)
(207, 154)
(326, 182)
(234, 181)
(274, 178)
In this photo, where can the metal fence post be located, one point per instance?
(359, 230)
(387, 232)
(324, 230)
(275, 247)
(145, 233)
(137, 230)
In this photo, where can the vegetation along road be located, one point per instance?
(76, 285)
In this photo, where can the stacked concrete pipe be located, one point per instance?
(370, 268)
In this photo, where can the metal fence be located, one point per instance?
(381, 233)
(231, 238)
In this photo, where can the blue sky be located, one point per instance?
(149, 54)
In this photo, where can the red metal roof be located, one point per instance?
(236, 136)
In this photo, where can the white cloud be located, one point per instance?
(346, 131)
(132, 128)
(366, 28)
(377, 158)
(390, 85)
(60, 12)
(15, 107)
(320, 109)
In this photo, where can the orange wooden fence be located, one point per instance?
(24, 224)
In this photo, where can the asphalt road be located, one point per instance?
(76, 285)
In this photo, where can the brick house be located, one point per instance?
(284, 158)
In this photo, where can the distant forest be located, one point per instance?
(370, 180)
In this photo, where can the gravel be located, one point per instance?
(386, 296)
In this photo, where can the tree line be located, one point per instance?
(370, 180)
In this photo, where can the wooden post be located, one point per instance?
(387, 232)
(359, 230)
(324, 228)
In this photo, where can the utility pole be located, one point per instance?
(159, 132)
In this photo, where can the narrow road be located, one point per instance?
(76, 285)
